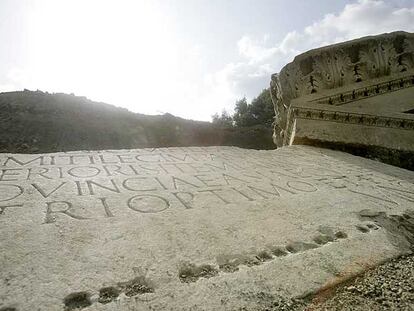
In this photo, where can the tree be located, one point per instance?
(259, 112)
(223, 120)
(262, 109)
(242, 115)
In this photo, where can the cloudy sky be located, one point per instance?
(191, 58)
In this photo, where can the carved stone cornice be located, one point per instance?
(353, 118)
(366, 92)
(340, 74)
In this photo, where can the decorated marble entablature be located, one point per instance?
(340, 75)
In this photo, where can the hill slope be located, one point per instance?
(42, 122)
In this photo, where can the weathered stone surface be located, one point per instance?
(357, 93)
(215, 228)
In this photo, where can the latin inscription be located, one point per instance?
(106, 184)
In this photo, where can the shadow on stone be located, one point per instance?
(108, 294)
(139, 285)
(296, 247)
(78, 300)
(189, 272)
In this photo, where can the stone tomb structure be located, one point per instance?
(358, 95)
(215, 228)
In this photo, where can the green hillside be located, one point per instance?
(35, 121)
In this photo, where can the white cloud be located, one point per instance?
(259, 59)
(136, 56)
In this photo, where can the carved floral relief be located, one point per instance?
(345, 64)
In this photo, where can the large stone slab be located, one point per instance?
(217, 228)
